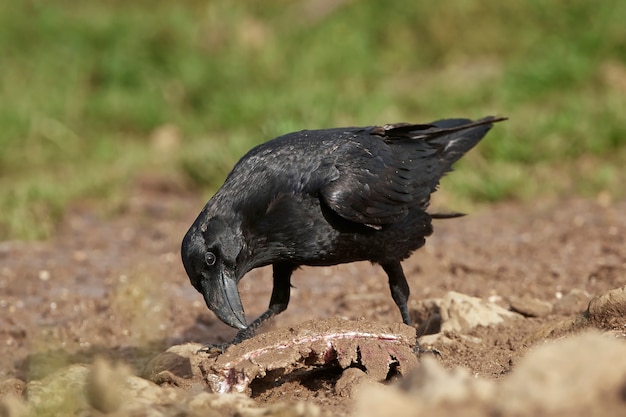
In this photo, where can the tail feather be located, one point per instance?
(455, 137)
(449, 215)
(452, 137)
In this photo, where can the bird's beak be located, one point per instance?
(225, 301)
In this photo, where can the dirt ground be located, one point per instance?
(115, 287)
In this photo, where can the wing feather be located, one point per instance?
(384, 171)
(378, 181)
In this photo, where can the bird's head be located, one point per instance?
(209, 251)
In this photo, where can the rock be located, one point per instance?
(12, 386)
(579, 375)
(461, 313)
(433, 384)
(60, 393)
(557, 329)
(530, 306)
(213, 405)
(105, 385)
(284, 409)
(375, 400)
(177, 366)
(350, 381)
(574, 302)
(144, 394)
(608, 311)
(13, 406)
(210, 404)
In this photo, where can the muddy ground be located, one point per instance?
(114, 287)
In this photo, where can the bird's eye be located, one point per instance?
(210, 258)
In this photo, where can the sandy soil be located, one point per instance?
(115, 287)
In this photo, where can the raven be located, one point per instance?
(323, 197)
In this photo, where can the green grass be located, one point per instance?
(83, 85)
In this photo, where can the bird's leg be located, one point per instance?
(400, 294)
(399, 288)
(278, 301)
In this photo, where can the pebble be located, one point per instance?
(608, 310)
(530, 306)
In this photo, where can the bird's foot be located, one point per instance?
(215, 349)
(431, 325)
(419, 351)
(243, 334)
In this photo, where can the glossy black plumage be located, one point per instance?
(322, 197)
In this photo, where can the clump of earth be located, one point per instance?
(380, 351)
(525, 304)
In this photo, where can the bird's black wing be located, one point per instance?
(381, 177)
(387, 170)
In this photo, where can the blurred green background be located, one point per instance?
(95, 93)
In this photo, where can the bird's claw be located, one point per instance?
(242, 335)
(419, 351)
(214, 349)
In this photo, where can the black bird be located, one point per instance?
(323, 197)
